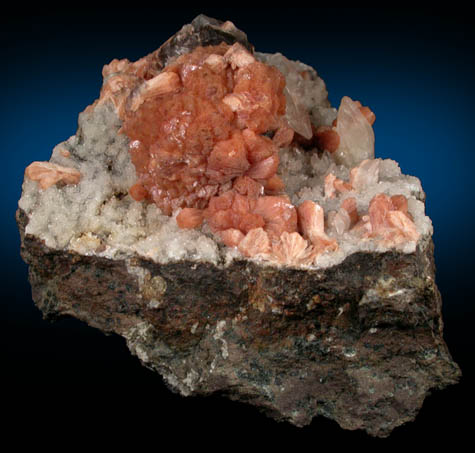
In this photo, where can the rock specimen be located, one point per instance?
(216, 211)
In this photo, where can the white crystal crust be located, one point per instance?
(97, 216)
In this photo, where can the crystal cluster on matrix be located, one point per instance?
(387, 220)
(205, 134)
(190, 143)
(212, 199)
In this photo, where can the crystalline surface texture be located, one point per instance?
(215, 211)
(189, 144)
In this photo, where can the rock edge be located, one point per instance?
(360, 342)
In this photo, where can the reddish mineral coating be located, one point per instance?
(201, 148)
(366, 111)
(189, 218)
(368, 114)
(274, 186)
(232, 210)
(247, 210)
(279, 214)
(327, 138)
(196, 140)
(283, 137)
(138, 192)
(231, 237)
(227, 160)
(205, 130)
(248, 186)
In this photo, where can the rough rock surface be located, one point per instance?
(360, 342)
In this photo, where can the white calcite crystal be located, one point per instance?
(306, 94)
(356, 134)
(96, 215)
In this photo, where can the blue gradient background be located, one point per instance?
(415, 69)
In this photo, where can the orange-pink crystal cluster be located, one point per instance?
(190, 142)
(205, 134)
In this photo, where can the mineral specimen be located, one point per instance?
(216, 211)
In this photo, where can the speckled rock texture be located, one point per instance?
(360, 342)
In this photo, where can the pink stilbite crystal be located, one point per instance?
(328, 138)
(279, 214)
(227, 160)
(312, 225)
(349, 205)
(189, 218)
(311, 220)
(48, 174)
(205, 134)
(329, 186)
(256, 242)
(390, 221)
(231, 237)
(291, 249)
(238, 57)
(333, 185)
(196, 125)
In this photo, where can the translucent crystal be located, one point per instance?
(356, 134)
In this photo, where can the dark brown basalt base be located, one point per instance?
(360, 343)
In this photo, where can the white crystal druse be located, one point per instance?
(96, 215)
